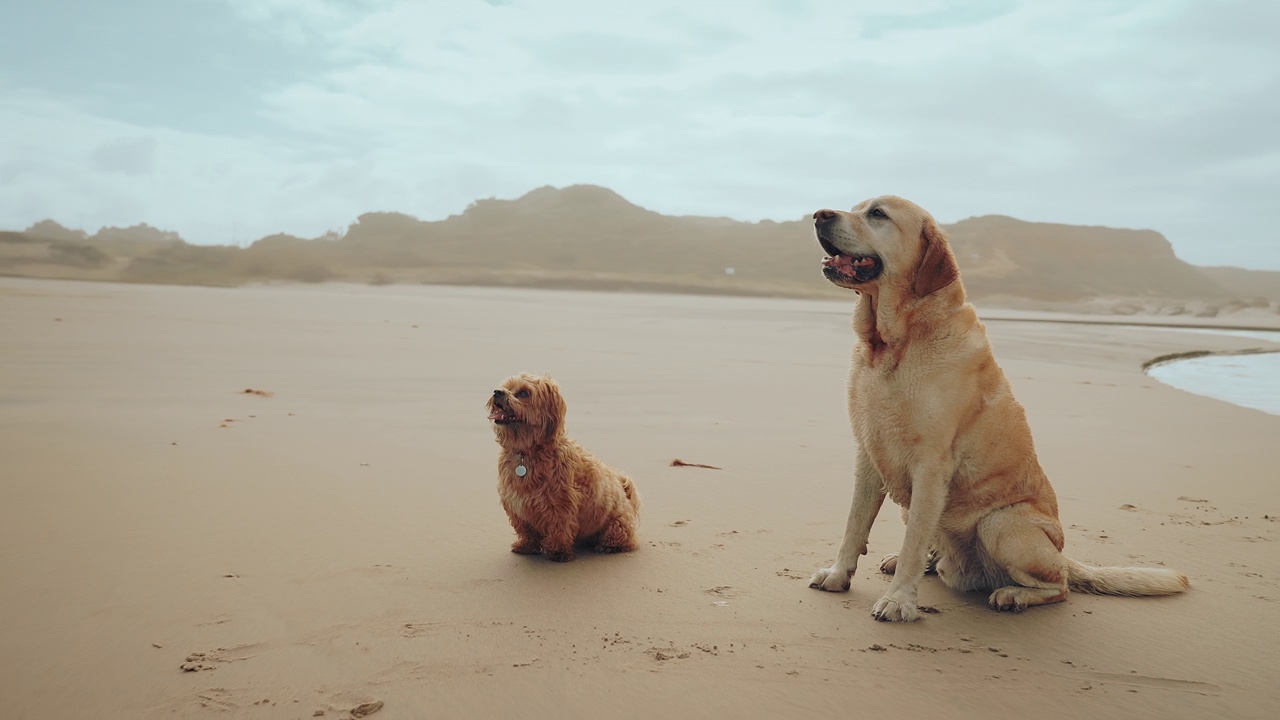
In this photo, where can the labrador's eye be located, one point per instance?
(877, 213)
(522, 394)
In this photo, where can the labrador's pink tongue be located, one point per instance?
(495, 415)
(842, 264)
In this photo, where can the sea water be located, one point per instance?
(1251, 381)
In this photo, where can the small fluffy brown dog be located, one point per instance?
(556, 494)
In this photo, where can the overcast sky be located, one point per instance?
(228, 120)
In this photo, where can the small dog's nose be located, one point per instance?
(499, 393)
(823, 215)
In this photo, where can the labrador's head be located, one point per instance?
(885, 241)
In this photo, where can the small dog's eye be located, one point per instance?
(522, 393)
(877, 213)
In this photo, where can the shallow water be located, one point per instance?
(1251, 381)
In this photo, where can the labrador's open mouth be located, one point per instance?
(852, 268)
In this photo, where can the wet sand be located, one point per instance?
(173, 546)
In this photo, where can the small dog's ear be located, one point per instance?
(553, 406)
(937, 268)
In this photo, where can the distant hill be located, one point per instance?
(1001, 255)
(591, 237)
(1252, 283)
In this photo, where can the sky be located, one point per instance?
(228, 120)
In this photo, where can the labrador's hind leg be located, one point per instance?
(1027, 547)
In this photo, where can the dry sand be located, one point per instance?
(341, 542)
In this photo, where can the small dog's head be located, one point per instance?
(527, 410)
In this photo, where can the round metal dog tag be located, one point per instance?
(521, 471)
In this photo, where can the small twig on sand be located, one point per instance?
(680, 463)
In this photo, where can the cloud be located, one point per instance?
(128, 156)
(1134, 114)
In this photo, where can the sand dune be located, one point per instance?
(174, 546)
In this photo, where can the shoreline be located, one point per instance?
(1175, 325)
(1193, 354)
(986, 313)
(1211, 373)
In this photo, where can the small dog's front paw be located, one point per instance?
(610, 549)
(831, 579)
(525, 547)
(895, 609)
(560, 556)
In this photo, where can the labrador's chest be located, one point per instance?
(890, 411)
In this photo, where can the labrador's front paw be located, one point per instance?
(831, 579)
(895, 608)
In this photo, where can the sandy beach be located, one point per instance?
(339, 542)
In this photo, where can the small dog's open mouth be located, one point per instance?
(503, 417)
(858, 268)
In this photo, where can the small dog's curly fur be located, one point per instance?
(564, 496)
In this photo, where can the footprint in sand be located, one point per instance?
(667, 653)
(199, 661)
(218, 698)
(759, 531)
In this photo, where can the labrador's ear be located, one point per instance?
(937, 268)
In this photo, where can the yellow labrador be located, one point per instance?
(940, 433)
